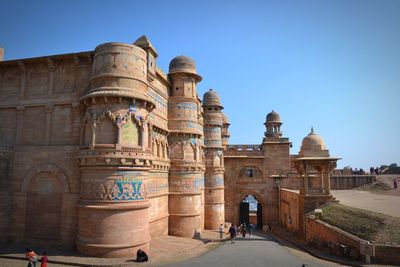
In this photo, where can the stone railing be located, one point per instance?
(244, 147)
(248, 150)
(343, 182)
(337, 241)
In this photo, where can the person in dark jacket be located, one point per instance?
(232, 232)
(141, 256)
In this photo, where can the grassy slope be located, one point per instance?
(362, 223)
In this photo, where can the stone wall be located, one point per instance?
(289, 209)
(40, 124)
(343, 182)
(5, 191)
(389, 254)
(329, 236)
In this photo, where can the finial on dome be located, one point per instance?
(312, 130)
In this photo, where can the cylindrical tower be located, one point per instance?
(115, 157)
(214, 177)
(225, 132)
(186, 181)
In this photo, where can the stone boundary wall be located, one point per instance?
(330, 237)
(289, 209)
(346, 182)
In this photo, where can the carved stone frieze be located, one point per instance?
(115, 157)
(214, 182)
(157, 186)
(186, 185)
(119, 189)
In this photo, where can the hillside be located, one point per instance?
(365, 224)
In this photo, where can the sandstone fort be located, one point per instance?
(103, 151)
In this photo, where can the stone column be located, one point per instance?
(49, 111)
(22, 68)
(20, 124)
(51, 66)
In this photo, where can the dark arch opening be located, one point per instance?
(251, 211)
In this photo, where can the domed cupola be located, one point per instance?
(273, 124)
(313, 146)
(273, 117)
(211, 99)
(225, 119)
(184, 64)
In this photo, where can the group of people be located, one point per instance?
(243, 229)
(32, 258)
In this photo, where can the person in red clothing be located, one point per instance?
(44, 259)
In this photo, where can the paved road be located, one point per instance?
(257, 251)
(385, 204)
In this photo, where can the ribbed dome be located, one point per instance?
(183, 64)
(211, 98)
(273, 117)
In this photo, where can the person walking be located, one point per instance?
(250, 229)
(244, 228)
(221, 231)
(31, 257)
(232, 232)
(44, 259)
(395, 183)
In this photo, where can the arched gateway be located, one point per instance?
(257, 170)
(251, 211)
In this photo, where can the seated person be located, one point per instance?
(141, 256)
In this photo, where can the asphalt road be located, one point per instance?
(256, 251)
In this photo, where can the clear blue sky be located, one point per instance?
(334, 65)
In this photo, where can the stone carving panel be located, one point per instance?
(214, 182)
(126, 188)
(186, 184)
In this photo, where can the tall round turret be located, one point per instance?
(186, 182)
(115, 157)
(214, 177)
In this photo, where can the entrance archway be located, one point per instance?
(43, 207)
(251, 211)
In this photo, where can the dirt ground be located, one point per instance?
(383, 185)
(379, 196)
